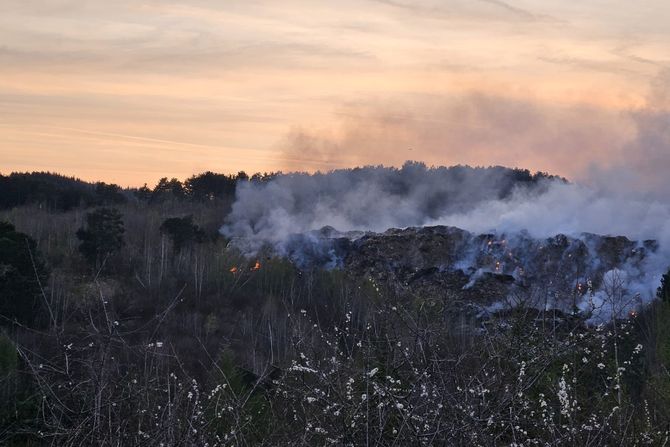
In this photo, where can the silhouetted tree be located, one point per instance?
(182, 231)
(109, 194)
(210, 185)
(264, 177)
(52, 191)
(102, 236)
(143, 193)
(167, 189)
(21, 272)
(663, 292)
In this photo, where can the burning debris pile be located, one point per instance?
(525, 238)
(486, 272)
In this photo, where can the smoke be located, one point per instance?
(644, 160)
(476, 199)
(367, 199)
(610, 149)
(626, 193)
(575, 209)
(289, 214)
(569, 208)
(474, 128)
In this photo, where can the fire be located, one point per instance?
(235, 270)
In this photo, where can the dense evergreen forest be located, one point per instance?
(126, 319)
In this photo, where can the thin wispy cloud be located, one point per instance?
(239, 78)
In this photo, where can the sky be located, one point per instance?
(129, 91)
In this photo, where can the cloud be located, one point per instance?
(452, 10)
(605, 66)
(516, 11)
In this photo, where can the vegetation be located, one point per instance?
(182, 231)
(21, 273)
(55, 192)
(102, 236)
(175, 339)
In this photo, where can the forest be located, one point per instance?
(127, 319)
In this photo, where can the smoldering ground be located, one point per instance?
(621, 186)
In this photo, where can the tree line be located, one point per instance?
(56, 192)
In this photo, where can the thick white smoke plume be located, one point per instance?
(493, 200)
(571, 209)
(627, 197)
(475, 199)
(367, 199)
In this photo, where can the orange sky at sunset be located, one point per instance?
(130, 91)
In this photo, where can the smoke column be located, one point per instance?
(369, 199)
(627, 195)
(480, 200)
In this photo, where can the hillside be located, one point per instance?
(421, 335)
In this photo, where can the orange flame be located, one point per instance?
(256, 266)
(233, 270)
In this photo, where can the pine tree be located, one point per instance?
(102, 236)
